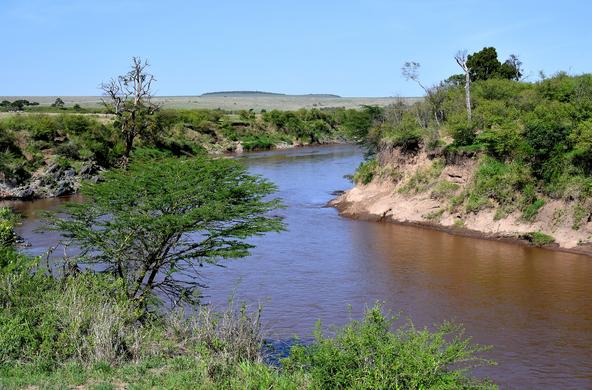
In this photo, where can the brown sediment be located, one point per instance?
(343, 209)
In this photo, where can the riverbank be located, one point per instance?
(422, 190)
(55, 180)
(49, 155)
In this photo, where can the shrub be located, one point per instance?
(258, 142)
(539, 238)
(444, 190)
(42, 127)
(365, 172)
(8, 221)
(368, 355)
(560, 87)
(503, 142)
(407, 134)
(532, 210)
(580, 215)
(68, 150)
(423, 178)
(581, 139)
(494, 112)
(546, 130)
(499, 182)
(463, 134)
(77, 124)
(498, 89)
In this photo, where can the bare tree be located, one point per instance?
(461, 60)
(410, 71)
(129, 97)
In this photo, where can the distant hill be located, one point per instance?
(263, 93)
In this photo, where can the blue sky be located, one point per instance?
(348, 47)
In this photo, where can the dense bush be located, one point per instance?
(365, 172)
(368, 355)
(79, 330)
(28, 141)
(499, 182)
(504, 142)
(546, 130)
(407, 134)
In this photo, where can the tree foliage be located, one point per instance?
(484, 65)
(155, 224)
(58, 103)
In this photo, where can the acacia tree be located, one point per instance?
(155, 224)
(461, 60)
(129, 97)
(58, 103)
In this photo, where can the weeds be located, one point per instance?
(423, 179)
(539, 238)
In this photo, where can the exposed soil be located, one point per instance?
(385, 199)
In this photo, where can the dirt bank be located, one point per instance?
(397, 195)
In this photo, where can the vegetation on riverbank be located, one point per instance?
(40, 151)
(523, 150)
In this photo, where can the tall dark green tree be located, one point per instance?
(485, 65)
(58, 103)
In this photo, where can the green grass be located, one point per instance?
(365, 172)
(423, 179)
(497, 184)
(580, 215)
(444, 190)
(180, 372)
(532, 210)
(539, 238)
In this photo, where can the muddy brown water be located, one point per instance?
(533, 306)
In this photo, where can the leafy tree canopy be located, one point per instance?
(484, 65)
(154, 225)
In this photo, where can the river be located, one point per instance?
(533, 306)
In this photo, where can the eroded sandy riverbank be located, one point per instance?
(383, 200)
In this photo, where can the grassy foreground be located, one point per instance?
(82, 331)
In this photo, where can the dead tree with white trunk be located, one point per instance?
(129, 98)
(461, 60)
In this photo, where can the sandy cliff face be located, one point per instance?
(420, 189)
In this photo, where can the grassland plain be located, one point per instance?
(233, 101)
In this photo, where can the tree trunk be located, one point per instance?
(468, 94)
